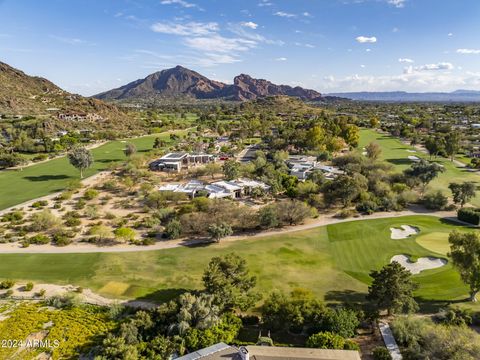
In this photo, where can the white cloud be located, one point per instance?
(219, 44)
(249, 24)
(189, 29)
(368, 50)
(468, 51)
(307, 14)
(429, 67)
(310, 46)
(405, 60)
(284, 14)
(450, 34)
(281, 59)
(71, 41)
(362, 66)
(181, 3)
(265, 3)
(397, 3)
(417, 81)
(366, 39)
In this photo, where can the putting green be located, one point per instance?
(435, 241)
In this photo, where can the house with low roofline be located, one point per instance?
(177, 161)
(222, 351)
(234, 189)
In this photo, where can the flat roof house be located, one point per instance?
(177, 161)
(222, 351)
(220, 189)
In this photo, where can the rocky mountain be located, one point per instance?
(402, 96)
(182, 82)
(21, 94)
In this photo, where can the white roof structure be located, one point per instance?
(244, 182)
(228, 185)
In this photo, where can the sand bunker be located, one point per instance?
(424, 263)
(414, 158)
(411, 151)
(403, 232)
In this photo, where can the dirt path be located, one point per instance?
(85, 295)
(14, 248)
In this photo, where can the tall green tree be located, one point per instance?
(81, 158)
(231, 169)
(462, 193)
(229, 281)
(424, 172)
(465, 254)
(392, 289)
(452, 144)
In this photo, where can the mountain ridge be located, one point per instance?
(182, 82)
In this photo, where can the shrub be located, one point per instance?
(39, 239)
(340, 321)
(469, 215)
(41, 293)
(90, 194)
(7, 284)
(39, 204)
(326, 340)
(367, 207)
(173, 230)
(66, 195)
(345, 213)
(125, 234)
(28, 286)
(62, 238)
(351, 345)
(63, 301)
(80, 204)
(13, 216)
(43, 221)
(381, 353)
(435, 201)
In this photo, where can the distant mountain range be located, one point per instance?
(402, 96)
(180, 82)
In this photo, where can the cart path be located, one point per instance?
(323, 220)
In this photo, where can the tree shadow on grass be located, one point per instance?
(107, 161)
(453, 221)
(432, 306)
(162, 295)
(345, 296)
(400, 161)
(46, 177)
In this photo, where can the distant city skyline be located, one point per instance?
(91, 46)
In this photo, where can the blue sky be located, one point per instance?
(87, 46)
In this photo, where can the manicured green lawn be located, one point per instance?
(52, 176)
(395, 152)
(360, 246)
(332, 261)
